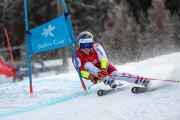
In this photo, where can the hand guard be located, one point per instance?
(102, 74)
(93, 79)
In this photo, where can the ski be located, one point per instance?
(137, 90)
(104, 92)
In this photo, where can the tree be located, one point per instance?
(175, 21)
(120, 34)
(158, 37)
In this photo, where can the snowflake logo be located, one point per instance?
(48, 31)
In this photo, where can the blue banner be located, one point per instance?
(51, 35)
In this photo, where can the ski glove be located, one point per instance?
(93, 79)
(103, 73)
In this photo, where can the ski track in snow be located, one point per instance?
(46, 95)
(43, 104)
(62, 98)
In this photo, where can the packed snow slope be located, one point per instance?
(61, 97)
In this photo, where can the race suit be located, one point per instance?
(92, 64)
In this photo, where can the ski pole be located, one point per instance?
(90, 86)
(162, 80)
(93, 84)
(154, 79)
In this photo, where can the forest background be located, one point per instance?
(129, 30)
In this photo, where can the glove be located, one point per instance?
(93, 79)
(102, 74)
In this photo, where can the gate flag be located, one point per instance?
(54, 34)
(6, 69)
(51, 35)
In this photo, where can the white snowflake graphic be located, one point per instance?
(48, 31)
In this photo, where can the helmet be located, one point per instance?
(85, 37)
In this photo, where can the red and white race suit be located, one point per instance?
(92, 63)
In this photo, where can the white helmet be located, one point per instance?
(85, 37)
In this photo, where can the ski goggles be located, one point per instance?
(85, 45)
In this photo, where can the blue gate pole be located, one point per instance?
(28, 53)
(71, 32)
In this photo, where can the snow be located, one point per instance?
(61, 97)
(5, 79)
(49, 63)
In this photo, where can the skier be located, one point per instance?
(94, 64)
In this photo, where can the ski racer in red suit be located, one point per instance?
(94, 65)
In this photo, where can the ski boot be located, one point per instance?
(109, 81)
(112, 84)
(142, 81)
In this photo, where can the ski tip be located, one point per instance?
(133, 90)
(137, 90)
(100, 92)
